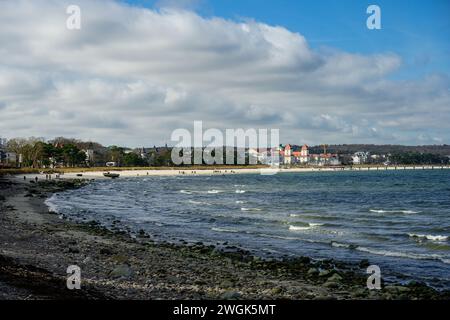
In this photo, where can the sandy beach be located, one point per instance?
(123, 172)
(37, 246)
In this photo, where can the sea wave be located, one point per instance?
(308, 226)
(224, 230)
(251, 209)
(316, 224)
(394, 211)
(292, 238)
(297, 228)
(199, 202)
(52, 207)
(240, 191)
(388, 253)
(414, 256)
(214, 191)
(429, 237)
(316, 217)
(343, 245)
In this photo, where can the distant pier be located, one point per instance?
(418, 167)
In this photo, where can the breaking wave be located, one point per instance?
(429, 237)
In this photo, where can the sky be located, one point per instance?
(137, 70)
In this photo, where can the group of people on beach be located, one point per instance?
(35, 178)
(183, 172)
(47, 177)
(214, 171)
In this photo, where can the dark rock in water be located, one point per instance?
(364, 263)
(304, 260)
(121, 271)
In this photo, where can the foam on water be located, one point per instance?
(394, 211)
(343, 245)
(214, 191)
(297, 228)
(224, 230)
(429, 237)
(250, 209)
(200, 202)
(316, 224)
(52, 207)
(403, 254)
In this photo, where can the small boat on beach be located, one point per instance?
(111, 175)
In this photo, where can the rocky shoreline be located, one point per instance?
(37, 246)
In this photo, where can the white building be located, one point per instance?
(287, 155)
(360, 157)
(304, 154)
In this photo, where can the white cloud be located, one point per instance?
(132, 75)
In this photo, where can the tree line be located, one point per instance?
(418, 158)
(65, 152)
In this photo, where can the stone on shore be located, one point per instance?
(121, 271)
(230, 295)
(313, 272)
